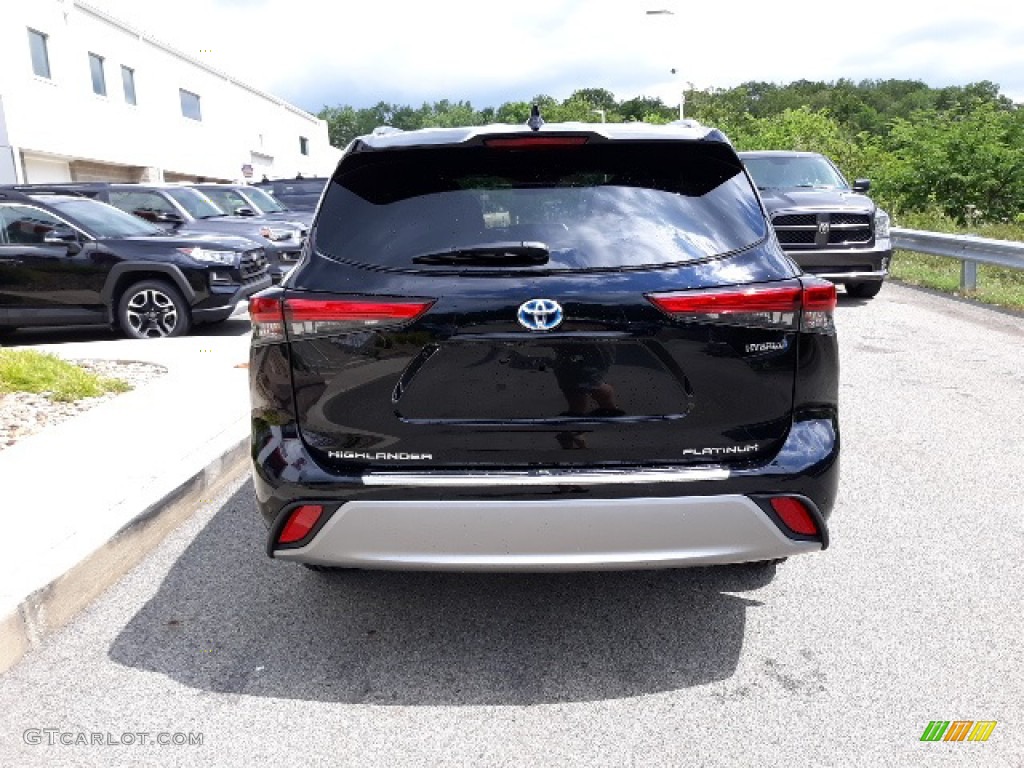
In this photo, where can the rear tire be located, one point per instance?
(153, 309)
(864, 290)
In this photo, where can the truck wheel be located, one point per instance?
(151, 309)
(864, 290)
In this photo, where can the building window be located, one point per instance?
(40, 56)
(190, 105)
(303, 145)
(128, 80)
(99, 79)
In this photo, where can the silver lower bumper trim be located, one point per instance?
(530, 535)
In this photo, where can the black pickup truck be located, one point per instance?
(830, 228)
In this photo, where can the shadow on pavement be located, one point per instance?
(227, 619)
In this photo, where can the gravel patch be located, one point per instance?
(26, 413)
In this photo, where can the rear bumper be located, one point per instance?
(507, 535)
(547, 519)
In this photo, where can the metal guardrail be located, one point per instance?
(969, 249)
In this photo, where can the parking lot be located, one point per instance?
(843, 658)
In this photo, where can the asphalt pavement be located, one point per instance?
(841, 659)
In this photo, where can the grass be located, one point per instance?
(1003, 287)
(23, 370)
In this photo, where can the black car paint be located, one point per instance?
(797, 442)
(50, 285)
(283, 379)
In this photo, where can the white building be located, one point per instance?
(85, 97)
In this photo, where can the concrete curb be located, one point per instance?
(51, 607)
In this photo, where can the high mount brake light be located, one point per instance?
(536, 142)
(313, 317)
(786, 307)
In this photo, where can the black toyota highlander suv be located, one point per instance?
(568, 347)
(829, 228)
(68, 260)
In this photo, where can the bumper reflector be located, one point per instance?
(300, 523)
(795, 515)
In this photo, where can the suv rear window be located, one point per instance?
(596, 206)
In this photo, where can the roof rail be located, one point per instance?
(25, 191)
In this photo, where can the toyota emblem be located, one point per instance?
(540, 315)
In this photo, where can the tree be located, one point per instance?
(640, 107)
(597, 98)
(951, 160)
(924, 148)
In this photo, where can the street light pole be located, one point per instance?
(682, 100)
(682, 95)
(600, 112)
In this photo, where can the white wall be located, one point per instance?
(63, 117)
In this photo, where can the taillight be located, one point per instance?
(314, 317)
(819, 305)
(760, 306)
(795, 515)
(300, 522)
(267, 320)
(786, 307)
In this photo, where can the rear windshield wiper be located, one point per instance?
(511, 254)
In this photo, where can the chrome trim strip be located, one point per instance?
(814, 227)
(852, 252)
(850, 275)
(542, 477)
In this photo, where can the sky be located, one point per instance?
(317, 53)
